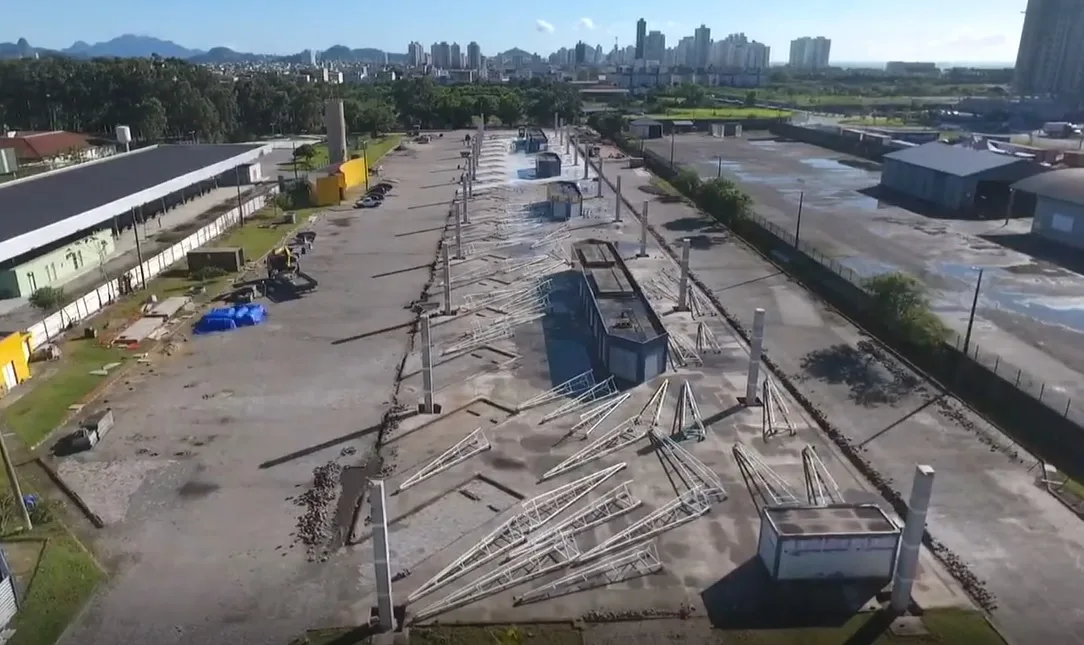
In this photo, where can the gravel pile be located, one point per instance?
(314, 527)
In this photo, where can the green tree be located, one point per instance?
(687, 182)
(608, 124)
(903, 301)
(751, 98)
(47, 298)
(509, 108)
(725, 200)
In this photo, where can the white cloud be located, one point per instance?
(543, 26)
(586, 23)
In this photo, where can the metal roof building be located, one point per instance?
(953, 178)
(41, 210)
(1059, 205)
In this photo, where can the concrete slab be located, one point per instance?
(139, 331)
(169, 307)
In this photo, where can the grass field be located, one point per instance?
(720, 113)
(884, 122)
(945, 627)
(376, 149)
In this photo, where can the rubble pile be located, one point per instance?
(314, 527)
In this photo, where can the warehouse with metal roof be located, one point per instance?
(58, 224)
(955, 179)
(1059, 205)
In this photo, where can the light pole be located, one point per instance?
(719, 173)
(971, 317)
(672, 133)
(798, 224)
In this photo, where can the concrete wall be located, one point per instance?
(1059, 221)
(352, 173)
(58, 267)
(872, 148)
(326, 191)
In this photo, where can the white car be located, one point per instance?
(366, 202)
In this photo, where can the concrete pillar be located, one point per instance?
(466, 218)
(756, 347)
(427, 366)
(567, 142)
(911, 540)
(446, 267)
(617, 199)
(643, 231)
(586, 163)
(458, 232)
(379, 514)
(575, 155)
(683, 281)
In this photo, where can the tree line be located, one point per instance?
(169, 99)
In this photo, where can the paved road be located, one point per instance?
(1022, 541)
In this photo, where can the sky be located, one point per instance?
(979, 31)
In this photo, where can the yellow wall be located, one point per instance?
(14, 349)
(325, 191)
(352, 173)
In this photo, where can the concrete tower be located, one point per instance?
(335, 125)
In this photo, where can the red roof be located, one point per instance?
(40, 146)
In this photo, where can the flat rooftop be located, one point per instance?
(622, 305)
(830, 520)
(37, 202)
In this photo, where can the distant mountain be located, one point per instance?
(131, 46)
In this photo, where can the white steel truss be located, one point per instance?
(706, 342)
(550, 557)
(616, 502)
(634, 563)
(558, 235)
(572, 387)
(681, 510)
(761, 480)
(821, 488)
(682, 351)
(593, 394)
(596, 416)
(653, 408)
(474, 301)
(688, 423)
(534, 301)
(697, 307)
(533, 514)
(694, 472)
(500, 330)
(466, 448)
(775, 415)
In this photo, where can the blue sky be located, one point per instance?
(861, 30)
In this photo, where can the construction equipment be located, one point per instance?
(284, 272)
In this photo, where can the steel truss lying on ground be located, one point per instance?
(694, 472)
(761, 480)
(479, 336)
(681, 510)
(534, 513)
(476, 301)
(558, 235)
(682, 351)
(706, 342)
(594, 417)
(614, 503)
(821, 488)
(594, 394)
(623, 434)
(775, 415)
(636, 562)
(688, 423)
(466, 448)
(548, 558)
(571, 388)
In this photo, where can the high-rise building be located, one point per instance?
(701, 46)
(655, 46)
(641, 38)
(415, 54)
(1051, 55)
(809, 53)
(442, 55)
(455, 57)
(581, 53)
(474, 56)
(737, 52)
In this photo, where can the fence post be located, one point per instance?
(1019, 373)
(997, 362)
(1042, 390)
(1068, 402)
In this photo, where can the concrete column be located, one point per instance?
(458, 232)
(567, 142)
(575, 155)
(427, 366)
(643, 231)
(466, 218)
(617, 199)
(446, 267)
(683, 284)
(586, 163)
(756, 347)
(911, 541)
(379, 515)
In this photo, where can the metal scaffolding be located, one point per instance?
(481, 336)
(614, 503)
(466, 448)
(571, 388)
(681, 510)
(597, 415)
(775, 415)
(688, 423)
(821, 488)
(682, 351)
(634, 563)
(533, 514)
(594, 394)
(694, 472)
(706, 342)
(761, 480)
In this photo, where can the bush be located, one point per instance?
(47, 298)
(206, 274)
(901, 300)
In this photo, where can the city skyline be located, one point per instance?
(977, 32)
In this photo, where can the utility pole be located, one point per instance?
(971, 318)
(719, 174)
(240, 209)
(14, 481)
(139, 250)
(365, 156)
(798, 225)
(672, 139)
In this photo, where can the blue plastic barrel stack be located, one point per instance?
(230, 318)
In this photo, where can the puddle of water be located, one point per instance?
(1064, 311)
(867, 268)
(834, 166)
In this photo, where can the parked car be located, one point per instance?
(383, 188)
(377, 196)
(366, 202)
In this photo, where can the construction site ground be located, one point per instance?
(199, 480)
(708, 564)
(986, 508)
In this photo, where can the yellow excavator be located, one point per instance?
(281, 260)
(284, 272)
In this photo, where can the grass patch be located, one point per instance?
(884, 122)
(320, 158)
(694, 114)
(61, 585)
(379, 147)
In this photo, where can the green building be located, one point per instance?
(57, 267)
